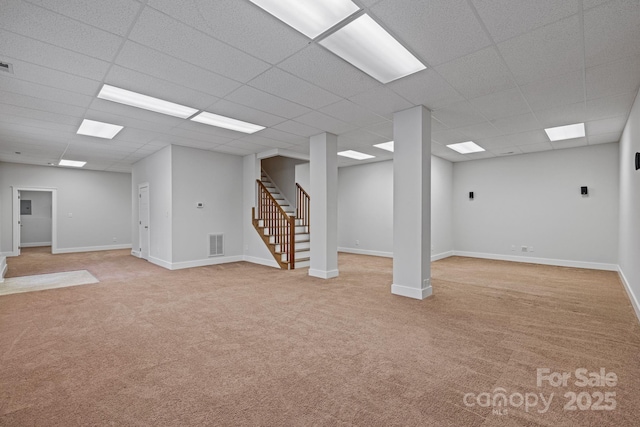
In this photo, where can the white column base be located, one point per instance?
(322, 274)
(415, 293)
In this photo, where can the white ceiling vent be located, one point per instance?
(216, 245)
(6, 67)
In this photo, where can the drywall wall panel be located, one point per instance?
(534, 201)
(282, 171)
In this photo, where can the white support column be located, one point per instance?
(412, 203)
(323, 171)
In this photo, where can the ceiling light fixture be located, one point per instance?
(98, 129)
(134, 99)
(226, 122)
(355, 155)
(561, 133)
(310, 17)
(466, 147)
(71, 163)
(369, 47)
(385, 146)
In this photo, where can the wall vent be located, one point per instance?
(6, 67)
(216, 245)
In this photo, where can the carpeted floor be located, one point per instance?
(242, 344)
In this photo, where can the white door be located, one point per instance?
(143, 221)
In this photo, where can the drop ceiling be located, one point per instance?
(498, 73)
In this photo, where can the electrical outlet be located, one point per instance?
(357, 242)
(524, 249)
(530, 248)
(513, 247)
(115, 239)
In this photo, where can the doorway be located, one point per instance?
(143, 220)
(39, 215)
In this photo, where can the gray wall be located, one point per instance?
(99, 201)
(36, 227)
(534, 200)
(629, 237)
(365, 207)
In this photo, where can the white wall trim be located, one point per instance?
(90, 249)
(6, 253)
(261, 261)
(322, 274)
(204, 262)
(627, 287)
(282, 152)
(543, 261)
(135, 253)
(366, 252)
(442, 255)
(415, 293)
(159, 262)
(3, 268)
(16, 216)
(34, 245)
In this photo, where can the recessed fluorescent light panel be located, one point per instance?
(98, 129)
(355, 155)
(134, 99)
(368, 46)
(466, 147)
(385, 146)
(566, 132)
(71, 163)
(310, 17)
(226, 122)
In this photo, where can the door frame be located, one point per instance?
(16, 217)
(140, 187)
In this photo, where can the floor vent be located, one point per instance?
(216, 244)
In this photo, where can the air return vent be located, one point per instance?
(216, 245)
(6, 67)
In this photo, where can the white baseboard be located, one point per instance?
(632, 297)
(322, 274)
(6, 253)
(90, 249)
(409, 292)
(34, 245)
(159, 262)
(136, 253)
(3, 268)
(443, 255)
(255, 260)
(366, 252)
(205, 262)
(543, 261)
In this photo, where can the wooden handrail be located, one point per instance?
(281, 226)
(303, 205)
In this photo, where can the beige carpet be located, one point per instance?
(242, 344)
(42, 282)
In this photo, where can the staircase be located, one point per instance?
(274, 219)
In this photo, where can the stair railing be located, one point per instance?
(303, 206)
(281, 226)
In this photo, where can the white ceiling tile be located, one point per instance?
(524, 122)
(562, 90)
(327, 123)
(481, 155)
(264, 101)
(480, 73)
(508, 18)
(153, 63)
(20, 122)
(384, 129)
(160, 32)
(242, 112)
(285, 85)
(284, 136)
(501, 104)
(610, 125)
(43, 116)
(479, 131)
(58, 30)
(265, 142)
(37, 52)
(451, 136)
(382, 101)
(23, 87)
(296, 128)
(437, 30)
(233, 150)
(205, 133)
(534, 148)
(426, 88)
(614, 78)
(41, 104)
(547, 52)
(120, 112)
(612, 31)
(562, 115)
(570, 143)
(245, 145)
(436, 125)
(148, 85)
(505, 151)
(359, 138)
(610, 106)
(513, 140)
(239, 24)
(604, 138)
(352, 113)
(588, 4)
(321, 67)
(458, 115)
